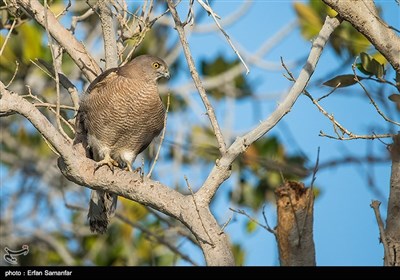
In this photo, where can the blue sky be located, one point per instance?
(345, 229)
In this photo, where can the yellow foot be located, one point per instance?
(106, 161)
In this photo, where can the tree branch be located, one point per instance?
(375, 205)
(75, 49)
(110, 42)
(196, 78)
(363, 15)
(221, 170)
(214, 16)
(242, 212)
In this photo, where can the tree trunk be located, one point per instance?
(392, 232)
(212, 240)
(294, 232)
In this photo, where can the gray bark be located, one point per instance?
(363, 15)
(110, 42)
(392, 232)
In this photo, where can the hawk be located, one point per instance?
(119, 115)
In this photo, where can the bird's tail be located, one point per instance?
(101, 210)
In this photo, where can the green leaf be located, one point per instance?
(342, 81)
(238, 254)
(371, 65)
(251, 226)
(365, 61)
(361, 69)
(378, 68)
(309, 20)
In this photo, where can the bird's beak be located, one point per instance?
(167, 75)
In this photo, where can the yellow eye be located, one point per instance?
(156, 65)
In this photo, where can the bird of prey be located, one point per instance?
(119, 115)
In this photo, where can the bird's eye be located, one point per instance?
(156, 65)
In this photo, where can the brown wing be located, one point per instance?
(103, 78)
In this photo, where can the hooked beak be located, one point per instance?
(167, 75)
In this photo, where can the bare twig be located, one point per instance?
(162, 137)
(85, 15)
(198, 212)
(14, 75)
(64, 81)
(314, 176)
(7, 37)
(65, 10)
(225, 224)
(56, 54)
(196, 78)
(227, 20)
(214, 16)
(375, 205)
(49, 105)
(266, 220)
(370, 98)
(337, 125)
(190, 15)
(329, 93)
(242, 212)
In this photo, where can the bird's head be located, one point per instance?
(152, 67)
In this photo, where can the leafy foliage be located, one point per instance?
(344, 38)
(220, 65)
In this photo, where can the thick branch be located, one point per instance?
(75, 49)
(363, 15)
(221, 170)
(294, 232)
(110, 42)
(196, 78)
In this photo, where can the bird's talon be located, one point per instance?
(107, 161)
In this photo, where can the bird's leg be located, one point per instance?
(128, 168)
(106, 161)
